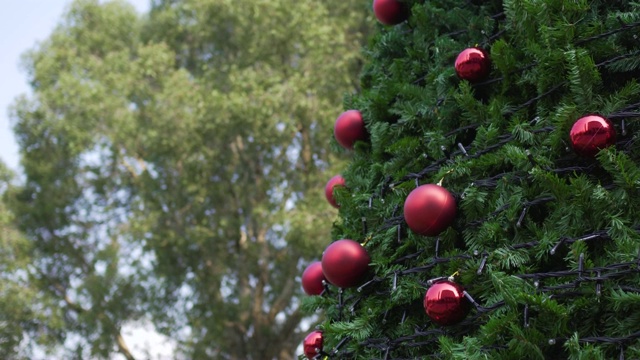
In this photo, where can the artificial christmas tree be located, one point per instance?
(545, 240)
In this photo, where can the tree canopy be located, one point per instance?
(174, 167)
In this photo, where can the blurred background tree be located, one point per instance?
(174, 165)
(24, 310)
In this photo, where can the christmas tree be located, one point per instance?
(496, 192)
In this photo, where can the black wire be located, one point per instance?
(608, 33)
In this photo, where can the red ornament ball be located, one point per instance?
(349, 128)
(312, 279)
(592, 133)
(337, 180)
(312, 344)
(445, 303)
(390, 12)
(345, 263)
(473, 64)
(429, 209)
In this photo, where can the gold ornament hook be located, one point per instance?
(366, 240)
(444, 176)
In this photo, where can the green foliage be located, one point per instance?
(175, 164)
(23, 310)
(554, 230)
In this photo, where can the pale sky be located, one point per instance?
(22, 24)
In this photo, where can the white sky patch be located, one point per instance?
(146, 343)
(24, 23)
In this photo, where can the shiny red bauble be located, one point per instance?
(349, 128)
(445, 303)
(337, 180)
(312, 344)
(591, 134)
(473, 64)
(429, 209)
(312, 279)
(345, 263)
(390, 12)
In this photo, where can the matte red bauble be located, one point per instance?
(445, 303)
(337, 180)
(312, 344)
(349, 128)
(312, 279)
(390, 12)
(592, 133)
(473, 64)
(345, 263)
(429, 209)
